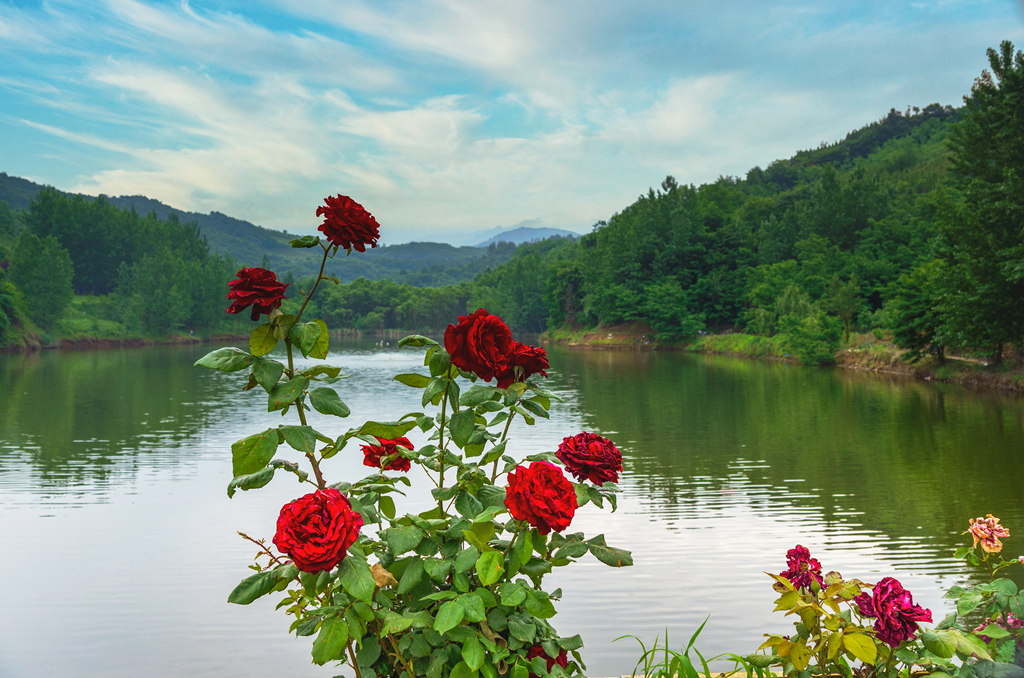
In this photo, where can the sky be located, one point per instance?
(448, 117)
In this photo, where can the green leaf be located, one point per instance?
(539, 605)
(535, 407)
(473, 606)
(489, 513)
(395, 623)
(462, 425)
(253, 453)
(467, 505)
(403, 538)
(993, 631)
(262, 340)
(490, 566)
(253, 587)
(411, 577)
(267, 372)
(448, 616)
(250, 481)
(325, 400)
(473, 653)
(388, 430)
(330, 642)
(305, 241)
(286, 393)
(304, 335)
(968, 602)
(319, 349)
(356, 578)
(521, 629)
(861, 646)
(387, 506)
(439, 363)
(511, 593)
(228, 359)
(939, 643)
(416, 340)
(412, 379)
(435, 386)
(301, 438)
(466, 559)
(971, 645)
(491, 495)
(608, 555)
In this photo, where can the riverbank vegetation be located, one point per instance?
(910, 228)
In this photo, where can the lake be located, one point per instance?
(119, 542)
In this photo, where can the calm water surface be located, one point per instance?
(119, 544)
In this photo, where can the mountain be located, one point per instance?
(415, 263)
(522, 234)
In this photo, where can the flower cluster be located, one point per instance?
(588, 456)
(802, 570)
(987, 532)
(316, 530)
(256, 287)
(481, 343)
(374, 455)
(894, 611)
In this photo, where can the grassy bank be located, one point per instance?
(864, 352)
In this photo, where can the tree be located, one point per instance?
(42, 270)
(982, 237)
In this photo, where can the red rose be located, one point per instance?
(893, 608)
(480, 343)
(256, 287)
(802, 568)
(541, 495)
(538, 651)
(524, 361)
(589, 456)
(373, 455)
(347, 224)
(317, 529)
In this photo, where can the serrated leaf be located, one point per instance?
(319, 349)
(449, 615)
(267, 372)
(250, 481)
(388, 430)
(861, 646)
(473, 653)
(301, 438)
(254, 586)
(253, 453)
(416, 340)
(330, 642)
(305, 241)
(304, 335)
(489, 567)
(523, 630)
(326, 400)
(262, 340)
(607, 554)
(462, 425)
(286, 393)
(356, 578)
(227, 359)
(403, 538)
(412, 379)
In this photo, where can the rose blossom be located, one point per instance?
(893, 608)
(987, 530)
(373, 455)
(538, 651)
(524, 361)
(347, 224)
(589, 456)
(541, 495)
(802, 568)
(256, 287)
(480, 343)
(316, 530)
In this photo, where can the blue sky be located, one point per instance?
(449, 116)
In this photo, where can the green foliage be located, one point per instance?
(42, 270)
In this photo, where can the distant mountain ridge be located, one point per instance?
(415, 263)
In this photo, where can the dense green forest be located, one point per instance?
(910, 227)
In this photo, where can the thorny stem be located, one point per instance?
(504, 434)
(440, 437)
(319, 277)
(352, 658)
(263, 547)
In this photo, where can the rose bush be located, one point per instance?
(456, 589)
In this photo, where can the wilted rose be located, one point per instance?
(316, 530)
(802, 568)
(373, 455)
(524, 361)
(542, 496)
(894, 611)
(589, 456)
(480, 343)
(537, 651)
(256, 287)
(987, 531)
(347, 224)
